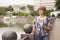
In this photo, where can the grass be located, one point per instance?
(3, 25)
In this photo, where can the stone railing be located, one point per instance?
(55, 32)
(17, 20)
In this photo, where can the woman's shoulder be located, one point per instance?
(48, 17)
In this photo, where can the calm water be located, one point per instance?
(18, 30)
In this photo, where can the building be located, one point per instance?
(16, 8)
(49, 4)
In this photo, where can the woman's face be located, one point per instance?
(41, 12)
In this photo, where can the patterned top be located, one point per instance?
(38, 25)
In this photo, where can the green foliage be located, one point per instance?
(57, 4)
(15, 14)
(23, 8)
(18, 14)
(58, 15)
(2, 11)
(34, 13)
(10, 8)
(23, 14)
(31, 20)
(48, 12)
(30, 7)
(26, 14)
(3, 25)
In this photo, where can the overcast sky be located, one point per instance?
(15, 2)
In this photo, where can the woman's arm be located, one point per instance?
(49, 25)
(47, 28)
(33, 30)
(34, 22)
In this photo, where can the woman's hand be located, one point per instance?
(44, 26)
(47, 28)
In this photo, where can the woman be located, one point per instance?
(42, 25)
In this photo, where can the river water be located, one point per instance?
(18, 30)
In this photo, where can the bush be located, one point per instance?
(30, 7)
(23, 14)
(2, 11)
(58, 15)
(34, 13)
(15, 14)
(22, 7)
(20, 14)
(26, 14)
(31, 20)
(48, 12)
(3, 25)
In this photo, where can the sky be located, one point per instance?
(15, 2)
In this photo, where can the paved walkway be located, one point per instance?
(55, 33)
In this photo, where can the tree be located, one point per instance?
(48, 12)
(30, 7)
(10, 8)
(57, 4)
(15, 14)
(22, 8)
(58, 15)
(2, 11)
(34, 13)
(23, 14)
